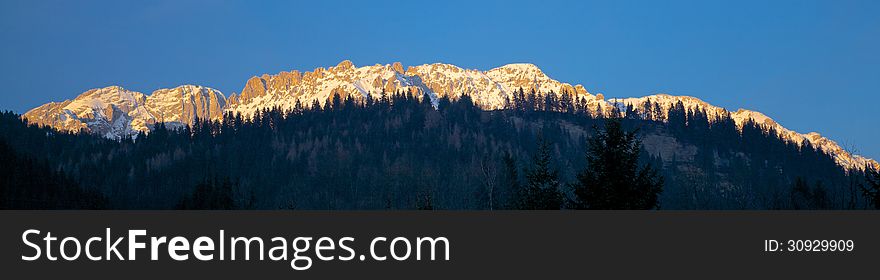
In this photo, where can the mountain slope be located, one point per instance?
(115, 112)
(489, 89)
(742, 116)
(111, 111)
(186, 104)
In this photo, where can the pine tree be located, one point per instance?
(677, 117)
(541, 191)
(872, 188)
(657, 112)
(647, 110)
(800, 194)
(612, 178)
(630, 112)
(820, 198)
(511, 180)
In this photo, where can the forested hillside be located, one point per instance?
(400, 153)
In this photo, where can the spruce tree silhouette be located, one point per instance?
(511, 180)
(541, 191)
(820, 197)
(800, 194)
(612, 178)
(872, 188)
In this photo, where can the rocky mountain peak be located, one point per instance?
(186, 104)
(116, 112)
(253, 88)
(345, 64)
(397, 67)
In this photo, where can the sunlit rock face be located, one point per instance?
(186, 104)
(115, 112)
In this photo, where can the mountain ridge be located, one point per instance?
(115, 112)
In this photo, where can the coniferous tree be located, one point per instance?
(613, 178)
(805, 198)
(648, 110)
(872, 188)
(511, 180)
(541, 191)
(677, 117)
(800, 194)
(820, 198)
(630, 112)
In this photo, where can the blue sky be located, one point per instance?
(811, 65)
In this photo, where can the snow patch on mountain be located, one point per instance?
(115, 112)
(741, 116)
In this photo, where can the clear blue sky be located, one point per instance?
(811, 65)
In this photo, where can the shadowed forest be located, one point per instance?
(545, 151)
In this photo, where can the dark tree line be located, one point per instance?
(214, 195)
(397, 152)
(872, 188)
(26, 183)
(612, 179)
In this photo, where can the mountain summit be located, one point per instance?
(115, 112)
